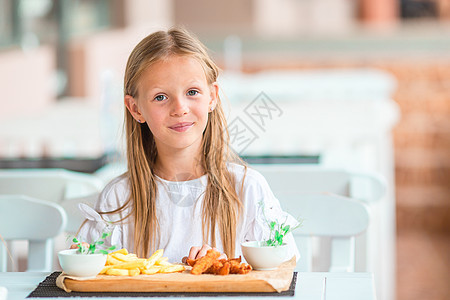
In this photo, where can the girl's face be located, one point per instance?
(174, 99)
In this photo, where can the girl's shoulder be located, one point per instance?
(252, 187)
(119, 183)
(115, 193)
(247, 175)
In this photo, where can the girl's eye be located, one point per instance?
(192, 93)
(160, 98)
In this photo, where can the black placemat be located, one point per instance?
(48, 289)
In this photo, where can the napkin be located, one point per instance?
(60, 281)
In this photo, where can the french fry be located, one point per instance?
(122, 257)
(151, 270)
(139, 263)
(155, 256)
(163, 261)
(134, 272)
(123, 263)
(171, 269)
(111, 260)
(117, 272)
(122, 251)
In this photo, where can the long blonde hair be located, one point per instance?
(221, 206)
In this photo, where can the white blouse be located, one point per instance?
(179, 207)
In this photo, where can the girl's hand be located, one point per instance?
(197, 252)
(83, 244)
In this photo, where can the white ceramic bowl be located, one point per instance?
(81, 265)
(263, 257)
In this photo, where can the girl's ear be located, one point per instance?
(133, 108)
(214, 96)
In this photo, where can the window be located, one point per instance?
(414, 9)
(29, 23)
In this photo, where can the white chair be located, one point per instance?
(326, 215)
(63, 187)
(289, 182)
(38, 221)
(291, 179)
(66, 188)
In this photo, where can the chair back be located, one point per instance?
(290, 182)
(64, 187)
(53, 185)
(326, 215)
(38, 221)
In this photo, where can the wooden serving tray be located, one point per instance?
(256, 281)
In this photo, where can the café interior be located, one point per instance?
(355, 96)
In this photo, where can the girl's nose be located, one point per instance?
(179, 107)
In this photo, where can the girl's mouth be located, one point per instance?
(182, 127)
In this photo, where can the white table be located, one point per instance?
(310, 286)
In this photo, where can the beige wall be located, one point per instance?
(26, 80)
(266, 17)
(215, 15)
(142, 12)
(291, 17)
(90, 57)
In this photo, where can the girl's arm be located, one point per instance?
(262, 207)
(112, 197)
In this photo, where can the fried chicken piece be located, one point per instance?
(210, 265)
(234, 267)
(215, 268)
(239, 268)
(244, 268)
(205, 262)
(238, 260)
(225, 270)
(191, 262)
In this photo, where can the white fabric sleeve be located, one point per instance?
(110, 199)
(92, 231)
(263, 207)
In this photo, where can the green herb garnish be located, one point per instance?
(277, 230)
(92, 248)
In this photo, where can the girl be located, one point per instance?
(184, 191)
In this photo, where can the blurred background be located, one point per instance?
(359, 84)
